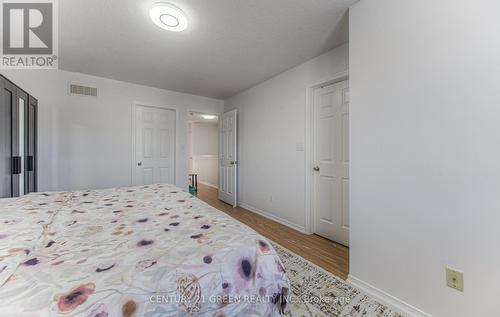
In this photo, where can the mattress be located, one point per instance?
(138, 251)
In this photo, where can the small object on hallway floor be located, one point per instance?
(193, 187)
(192, 190)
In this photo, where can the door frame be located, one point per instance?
(187, 150)
(133, 160)
(309, 145)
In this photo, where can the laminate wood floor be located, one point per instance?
(325, 253)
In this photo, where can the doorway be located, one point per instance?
(330, 161)
(154, 145)
(203, 147)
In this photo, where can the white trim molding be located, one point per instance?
(209, 185)
(336, 78)
(386, 298)
(272, 217)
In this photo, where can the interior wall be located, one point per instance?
(425, 136)
(205, 138)
(86, 142)
(271, 136)
(204, 151)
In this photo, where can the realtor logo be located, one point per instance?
(29, 34)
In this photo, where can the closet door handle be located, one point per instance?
(16, 165)
(29, 163)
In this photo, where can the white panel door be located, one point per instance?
(331, 157)
(154, 146)
(228, 171)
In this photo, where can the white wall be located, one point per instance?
(271, 132)
(204, 151)
(86, 142)
(425, 151)
(205, 138)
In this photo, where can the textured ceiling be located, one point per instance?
(230, 45)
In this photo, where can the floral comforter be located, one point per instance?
(139, 251)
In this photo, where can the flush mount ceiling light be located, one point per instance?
(168, 17)
(208, 117)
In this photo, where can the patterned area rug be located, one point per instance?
(317, 293)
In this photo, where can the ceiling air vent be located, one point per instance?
(82, 90)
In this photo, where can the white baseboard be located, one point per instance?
(386, 298)
(208, 184)
(272, 217)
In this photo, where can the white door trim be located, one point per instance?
(133, 160)
(309, 145)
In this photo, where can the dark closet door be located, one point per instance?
(9, 148)
(16, 153)
(22, 106)
(31, 145)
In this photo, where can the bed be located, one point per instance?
(138, 251)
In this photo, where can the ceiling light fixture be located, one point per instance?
(168, 17)
(208, 117)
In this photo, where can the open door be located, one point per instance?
(228, 158)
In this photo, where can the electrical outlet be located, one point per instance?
(455, 279)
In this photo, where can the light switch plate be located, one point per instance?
(455, 279)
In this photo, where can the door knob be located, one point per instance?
(316, 168)
(139, 164)
(233, 163)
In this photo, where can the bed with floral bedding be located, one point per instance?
(138, 251)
